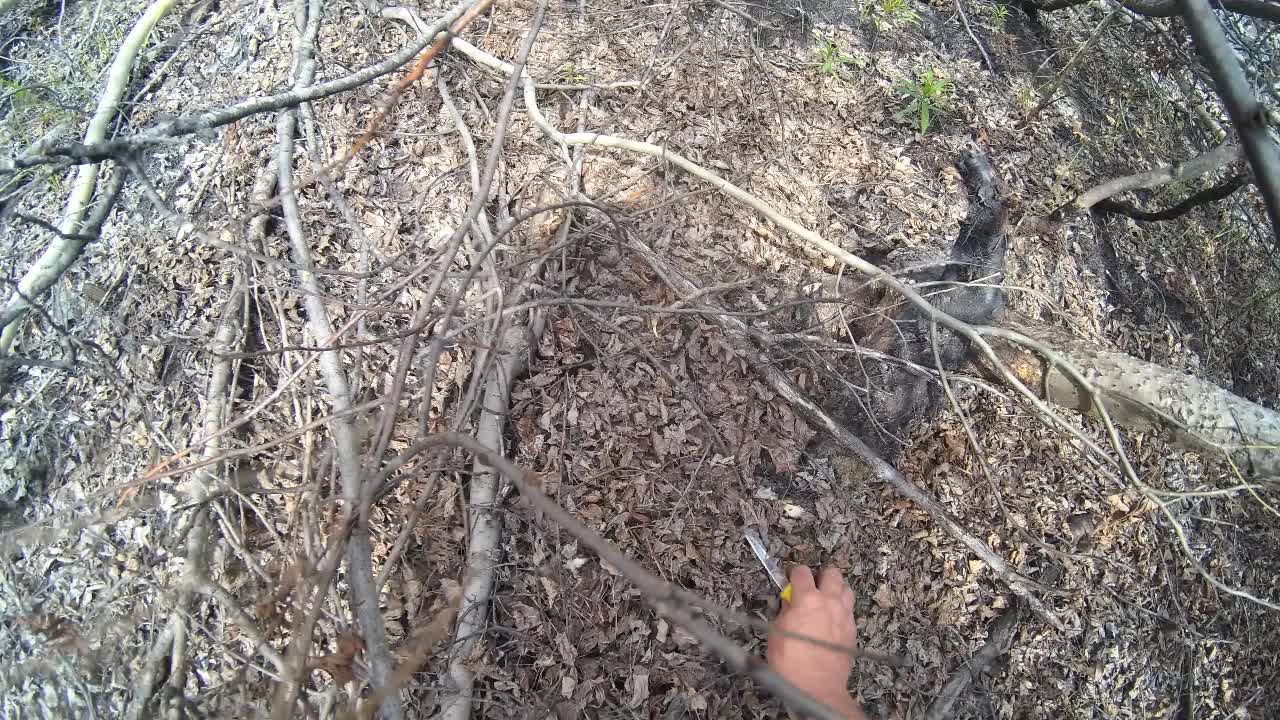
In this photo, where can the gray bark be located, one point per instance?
(1207, 162)
(1192, 413)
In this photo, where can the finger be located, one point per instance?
(831, 582)
(801, 581)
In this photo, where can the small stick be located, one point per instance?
(976, 41)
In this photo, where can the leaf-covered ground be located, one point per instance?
(646, 425)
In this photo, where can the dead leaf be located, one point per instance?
(639, 689)
(340, 664)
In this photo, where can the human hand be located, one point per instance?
(824, 612)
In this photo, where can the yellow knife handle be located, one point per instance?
(786, 594)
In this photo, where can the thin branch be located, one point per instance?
(247, 626)
(167, 130)
(981, 48)
(1049, 92)
(667, 600)
(814, 414)
(364, 595)
(485, 529)
(1204, 197)
(409, 17)
(392, 96)
(1248, 115)
(61, 254)
(1202, 164)
(46, 225)
(999, 638)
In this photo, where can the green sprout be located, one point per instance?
(1000, 13)
(927, 95)
(832, 60)
(899, 10)
(880, 12)
(572, 75)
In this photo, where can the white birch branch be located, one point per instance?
(485, 529)
(64, 251)
(483, 552)
(364, 596)
(166, 130)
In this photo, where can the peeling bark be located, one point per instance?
(1191, 413)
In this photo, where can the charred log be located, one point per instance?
(966, 286)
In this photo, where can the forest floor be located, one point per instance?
(648, 426)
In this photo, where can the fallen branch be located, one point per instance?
(483, 542)
(168, 130)
(388, 101)
(167, 658)
(667, 600)
(364, 595)
(218, 401)
(1202, 164)
(64, 250)
(1265, 9)
(515, 343)
(1204, 197)
(1048, 92)
(973, 36)
(1192, 413)
(1247, 114)
(814, 414)
(50, 268)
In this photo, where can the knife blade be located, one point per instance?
(771, 566)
